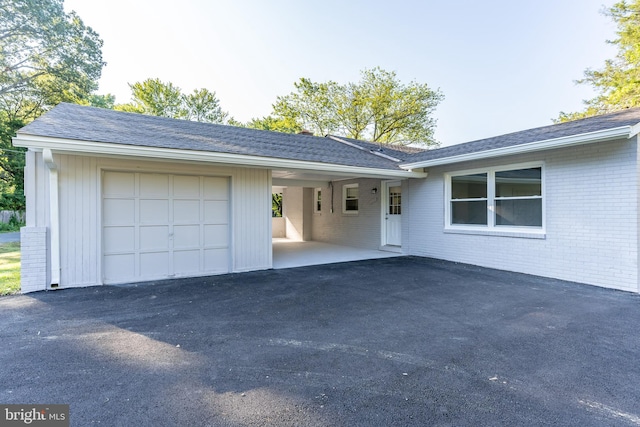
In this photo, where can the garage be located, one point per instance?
(158, 226)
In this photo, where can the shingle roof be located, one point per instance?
(628, 117)
(70, 121)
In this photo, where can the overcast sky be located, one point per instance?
(502, 65)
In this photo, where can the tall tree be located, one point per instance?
(157, 98)
(46, 56)
(203, 106)
(46, 50)
(618, 82)
(377, 108)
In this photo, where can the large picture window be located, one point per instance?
(499, 198)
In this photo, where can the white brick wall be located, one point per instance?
(33, 247)
(361, 230)
(591, 219)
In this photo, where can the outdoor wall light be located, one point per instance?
(374, 190)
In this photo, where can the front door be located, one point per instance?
(393, 213)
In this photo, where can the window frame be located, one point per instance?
(317, 201)
(345, 187)
(491, 227)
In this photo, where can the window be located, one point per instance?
(350, 199)
(317, 200)
(496, 199)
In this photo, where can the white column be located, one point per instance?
(54, 216)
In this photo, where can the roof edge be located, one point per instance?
(565, 141)
(122, 150)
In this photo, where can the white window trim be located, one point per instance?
(315, 200)
(491, 228)
(344, 199)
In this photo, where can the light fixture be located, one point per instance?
(374, 190)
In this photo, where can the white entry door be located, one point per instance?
(157, 226)
(393, 213)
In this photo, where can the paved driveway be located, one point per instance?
(400, 341)
(9, 237)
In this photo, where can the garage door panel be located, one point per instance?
(119, 212)
(186, 211)
(154, 185)
(154, 211)
(189, 261)
(154, 237)
(154, 265)
(118, 184)
(216, 188)
(119, 267)
(216, 260)
(186, 186)
(216, 212)
(216, 235)
(164, 225)
(186, 236)
(119, 239)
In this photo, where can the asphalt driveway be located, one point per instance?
(399, 341)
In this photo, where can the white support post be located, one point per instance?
(54, 216)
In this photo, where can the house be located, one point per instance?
(116, 197)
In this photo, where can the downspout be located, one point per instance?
(54, 217)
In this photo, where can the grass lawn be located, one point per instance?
(9, 268)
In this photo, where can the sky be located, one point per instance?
(502, 65)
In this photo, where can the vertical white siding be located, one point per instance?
(591, 199)
(79, 225)
(80, 211)
(361, 230)
(251, 223)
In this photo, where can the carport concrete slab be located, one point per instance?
(292, 253)
(397, 341)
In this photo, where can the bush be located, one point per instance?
(14, 224)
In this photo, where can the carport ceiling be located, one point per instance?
(316, 178)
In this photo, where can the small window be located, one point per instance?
(350, 199)
(317, 200)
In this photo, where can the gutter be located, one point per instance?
(547, 144)
(79, 147)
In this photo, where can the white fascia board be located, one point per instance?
(566, 141)
(72, 146)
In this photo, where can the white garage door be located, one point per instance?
(157, 226)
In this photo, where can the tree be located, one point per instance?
(46, 56)
(618, 83)
(203, 106)
(274, 124)
(157, 98)
(378, 108)
(46, 50)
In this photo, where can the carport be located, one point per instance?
(289, 253)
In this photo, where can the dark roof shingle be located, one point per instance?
(70, 121)
(628, 117)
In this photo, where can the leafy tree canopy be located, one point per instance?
(157, 98)
(377, 108)
(46, 56)
(46, 50)
(618, 82)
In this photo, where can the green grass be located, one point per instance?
(9, 268)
